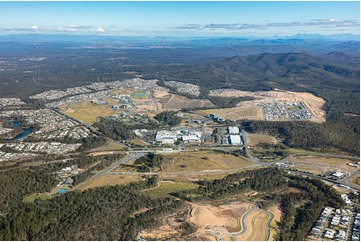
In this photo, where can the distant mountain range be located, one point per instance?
(157, 39)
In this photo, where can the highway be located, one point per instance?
(125, 160)
(136, 153)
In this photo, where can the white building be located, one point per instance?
(233, 130)
(191, 138)
(235, 139)
(338, 174)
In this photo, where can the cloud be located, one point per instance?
(100, 30)
(35, 27)
(24, 29)
(189, 26)
(322, 23)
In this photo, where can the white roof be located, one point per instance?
(190, 137)
(235, 139)
(233, 130)
(337, 174)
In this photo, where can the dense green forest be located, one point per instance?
(15, 184)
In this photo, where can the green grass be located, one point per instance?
(167, 187)
(32, 197)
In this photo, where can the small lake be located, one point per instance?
(15, 123)
(25, 132)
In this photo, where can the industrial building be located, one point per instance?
(167, 137)
(235, 139)
(170, 137)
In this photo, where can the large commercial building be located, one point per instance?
(235, 139)
(167, 137)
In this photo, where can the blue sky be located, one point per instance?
(180, 18)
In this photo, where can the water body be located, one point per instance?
(15, 123)
(25, 132)
(61, 191)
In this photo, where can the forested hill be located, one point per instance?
(266, 71)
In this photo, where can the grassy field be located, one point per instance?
(87, 112)
(311, 169)
(203, 160)
(111, 180)
(32, 197)
(139, 94)
(139, 142)
(236, 113)
(254, 139)
(164, 188)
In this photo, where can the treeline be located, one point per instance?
(259, 179)
(92, 142)
(228, 102)
(168, 118)
(148, 162)
(108, 213)
(83, 162)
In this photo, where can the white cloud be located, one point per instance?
(100, 30)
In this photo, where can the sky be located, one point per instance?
(180, 18)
